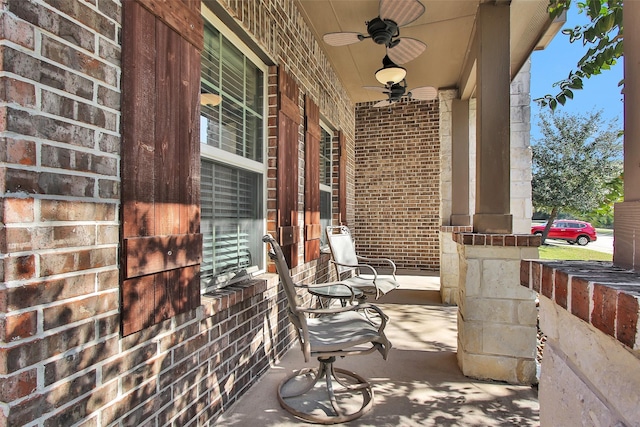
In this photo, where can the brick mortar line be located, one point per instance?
(23, 195)
(40, 307)
(66, 249)
(75, 21)
(96, 35)
(57, 171)
(39, 279)
(36, 84)
(44, 223)
(85, 125)
(36, 54)
(38, 141)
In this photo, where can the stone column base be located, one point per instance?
(493, 223)
(496, 318)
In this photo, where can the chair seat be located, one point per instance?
(383, 283)
(339, 331)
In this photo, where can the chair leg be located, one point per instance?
(340, 385)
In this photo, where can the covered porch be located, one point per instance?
(419, 385)
(79, 346)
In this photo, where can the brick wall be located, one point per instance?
(397, 183)
(62, 360)
(60, 196)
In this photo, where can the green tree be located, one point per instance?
(603, 214)
(602, 37)
(574, 163)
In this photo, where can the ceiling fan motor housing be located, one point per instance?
(382, 30)
(396, 92)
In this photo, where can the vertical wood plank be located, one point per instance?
(312, 180)
(189, 154)
(182, 16)
(138, 57)
(138, 295)
(287, 187)
(167, 164)
(182, 293)
(189, 174)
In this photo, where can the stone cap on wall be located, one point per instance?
(481, 239)
(598, 292)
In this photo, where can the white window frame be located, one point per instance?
(328, 188)
(219, 155)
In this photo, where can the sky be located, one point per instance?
(600, 92)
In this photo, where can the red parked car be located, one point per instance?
(571, 230)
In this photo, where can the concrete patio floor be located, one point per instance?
(419, 385)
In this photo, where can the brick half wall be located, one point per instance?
(397, 177)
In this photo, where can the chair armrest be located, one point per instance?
(320, 285)
(358, 307)
(366, 266)
(380, 260)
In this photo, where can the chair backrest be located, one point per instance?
(343, 249)
(296, 316)
(276, 254)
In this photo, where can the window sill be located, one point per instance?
(222, 299)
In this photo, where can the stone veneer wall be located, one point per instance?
(450, 263)
(521, 201)
(589, 312)
(62, 360)
(496, 316)
(397, 183)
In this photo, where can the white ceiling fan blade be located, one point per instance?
(402, 12)
(406, 50)
(342, 39)
(382, 103)
(376, 88)
(424, 93)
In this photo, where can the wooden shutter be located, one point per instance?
(161, 242)
(312, 228)
(287, 187)
(342, 178)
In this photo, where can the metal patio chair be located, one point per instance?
(328, 395)
(356, 270)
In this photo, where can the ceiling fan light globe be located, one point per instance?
(391, 75)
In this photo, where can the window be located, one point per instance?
(232, 163)
(325, 182)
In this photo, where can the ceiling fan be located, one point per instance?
(385, 30)
(396, 91)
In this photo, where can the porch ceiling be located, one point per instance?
(446, 27)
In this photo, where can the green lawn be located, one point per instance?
(572, 253)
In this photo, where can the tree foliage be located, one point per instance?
(603, 215)
(574, 162)
(602, 37)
